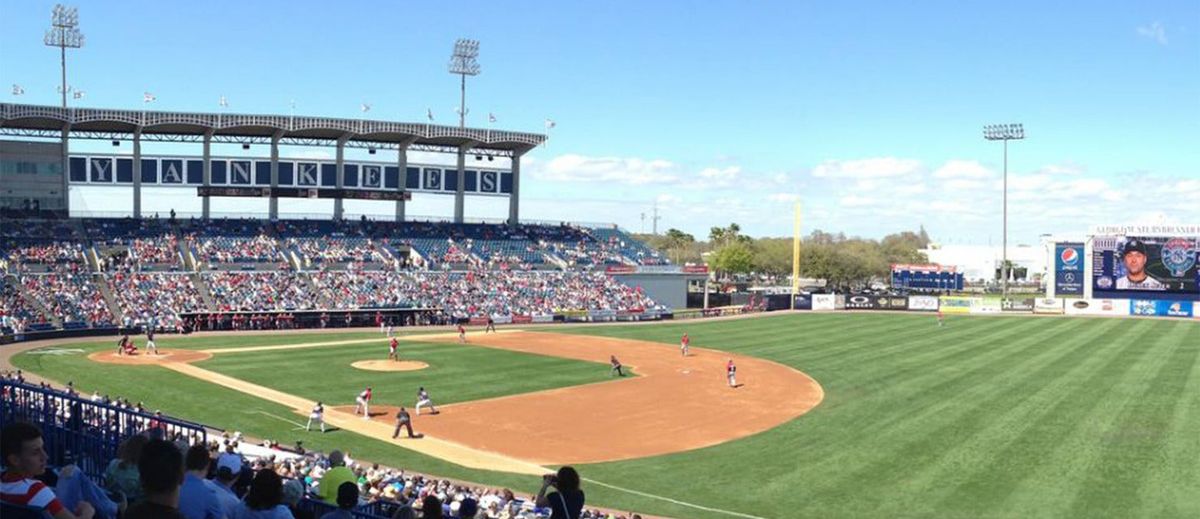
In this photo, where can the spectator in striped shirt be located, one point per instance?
(21, 447)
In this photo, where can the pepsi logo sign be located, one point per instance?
(1069, 257)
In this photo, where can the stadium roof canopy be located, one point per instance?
(107, 124)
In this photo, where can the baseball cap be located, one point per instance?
(230, 464)
(336, 458)
(1134, 245)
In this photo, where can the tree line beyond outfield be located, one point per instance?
(844, 262)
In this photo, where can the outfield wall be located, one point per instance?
(971, 305)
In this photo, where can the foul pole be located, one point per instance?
(796, 258)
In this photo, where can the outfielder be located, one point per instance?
(423, 399)
(684, 343)
(363, 401)
(731, 373)
(616, 366)
(462, 333)
(317, 414)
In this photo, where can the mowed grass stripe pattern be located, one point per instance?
(986, 417)
(456, 372)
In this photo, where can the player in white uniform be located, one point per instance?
(318, 415)
(1136, 278)
(423, 399)
(731, 373)
(150, 346)
(363, 401)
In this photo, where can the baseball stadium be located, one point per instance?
(227, 314)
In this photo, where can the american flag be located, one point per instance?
(147, 97)
(429, 114)
(550, 124)
(17, 90)
(491, 117)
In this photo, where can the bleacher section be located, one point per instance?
(99, 272)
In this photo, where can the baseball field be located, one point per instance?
(838, 415)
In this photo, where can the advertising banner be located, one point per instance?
(959, 304)
(1068, 269)
(861, 302)
(804, 302)
(502, 319)
(1112, 307)
(823, 302)
(542, 318)
(522, 319)
(892, 302)
(923, 303)
(839, 302)
(1148, 268)
(1048, 306)
(477, 321)
(1017, 305)
(987, 306)
(1160, 308)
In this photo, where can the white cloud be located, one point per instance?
(783, 197)
(728, 174)
(880, 167)
(856, 201)
(668, 199)
(1155, 31)
(1061, 169)
(962, 169)
(633, 171)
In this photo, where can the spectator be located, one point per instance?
(265, 499)
(197, 500)
(21, 448)
(161, 471)
(122, 474)
(431, 507)
(293, 492)
(566, 502)
(228, 470)
(347, 499)
(334, 477)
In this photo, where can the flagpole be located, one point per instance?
(796, 257)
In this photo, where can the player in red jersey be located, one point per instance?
(684, 343)
(363, 401)
(462, 333)
(392, 353)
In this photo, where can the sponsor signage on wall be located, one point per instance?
(923, 303)
(824, 302)
(1112, 307)
(959, 304)
(803, 302)
(861, 302)
(893, 303)
(1068, 269)
(1160, 308)
(1048, 305)
(1017, 305)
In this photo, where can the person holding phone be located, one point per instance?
(566, 502)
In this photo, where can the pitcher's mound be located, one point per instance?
(142, 358)
(390, 365)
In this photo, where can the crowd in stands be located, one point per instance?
(155, 298)
(161, 470)
(465, 269)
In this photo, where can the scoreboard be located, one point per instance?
(926, 277)
(300, 192)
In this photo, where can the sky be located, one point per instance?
(869, 114)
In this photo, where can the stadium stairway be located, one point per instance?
(202, 289)
(105, 289)
(56, 320)
(323, 300)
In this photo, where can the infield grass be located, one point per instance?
(986, 417)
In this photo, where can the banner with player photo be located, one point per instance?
(1146, 267)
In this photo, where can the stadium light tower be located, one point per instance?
(1004, 132)
(462, 62)
(64, 33)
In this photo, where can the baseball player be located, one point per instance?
(405, 421)
(616, 366)
(392, 346)
(941, 318)
(363, 401)
(423, 399)
(124, 345)
(317, 414)
(491, 327)
(462, 333)
(731, 373)
(391, 329)
(684, 343)
(150, 346)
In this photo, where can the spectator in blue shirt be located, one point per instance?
(196, 499)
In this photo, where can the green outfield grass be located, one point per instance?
(986, 417)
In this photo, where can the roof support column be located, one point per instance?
(66, 170)
(137, 172)
(460, 189)
(273, 210)
(205, 207)
(338, 210)
(514, 198)
(402, 182)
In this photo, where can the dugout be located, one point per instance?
(666, 284)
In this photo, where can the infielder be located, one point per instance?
(363, 401)
(317, 414)
(684, 343)
(462, 333)
(731, 373)
(423, 399)
(491, 325)
(392, 354)
(616, 366)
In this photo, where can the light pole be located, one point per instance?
(1004, 132)
(462, 62)
(64, 33)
